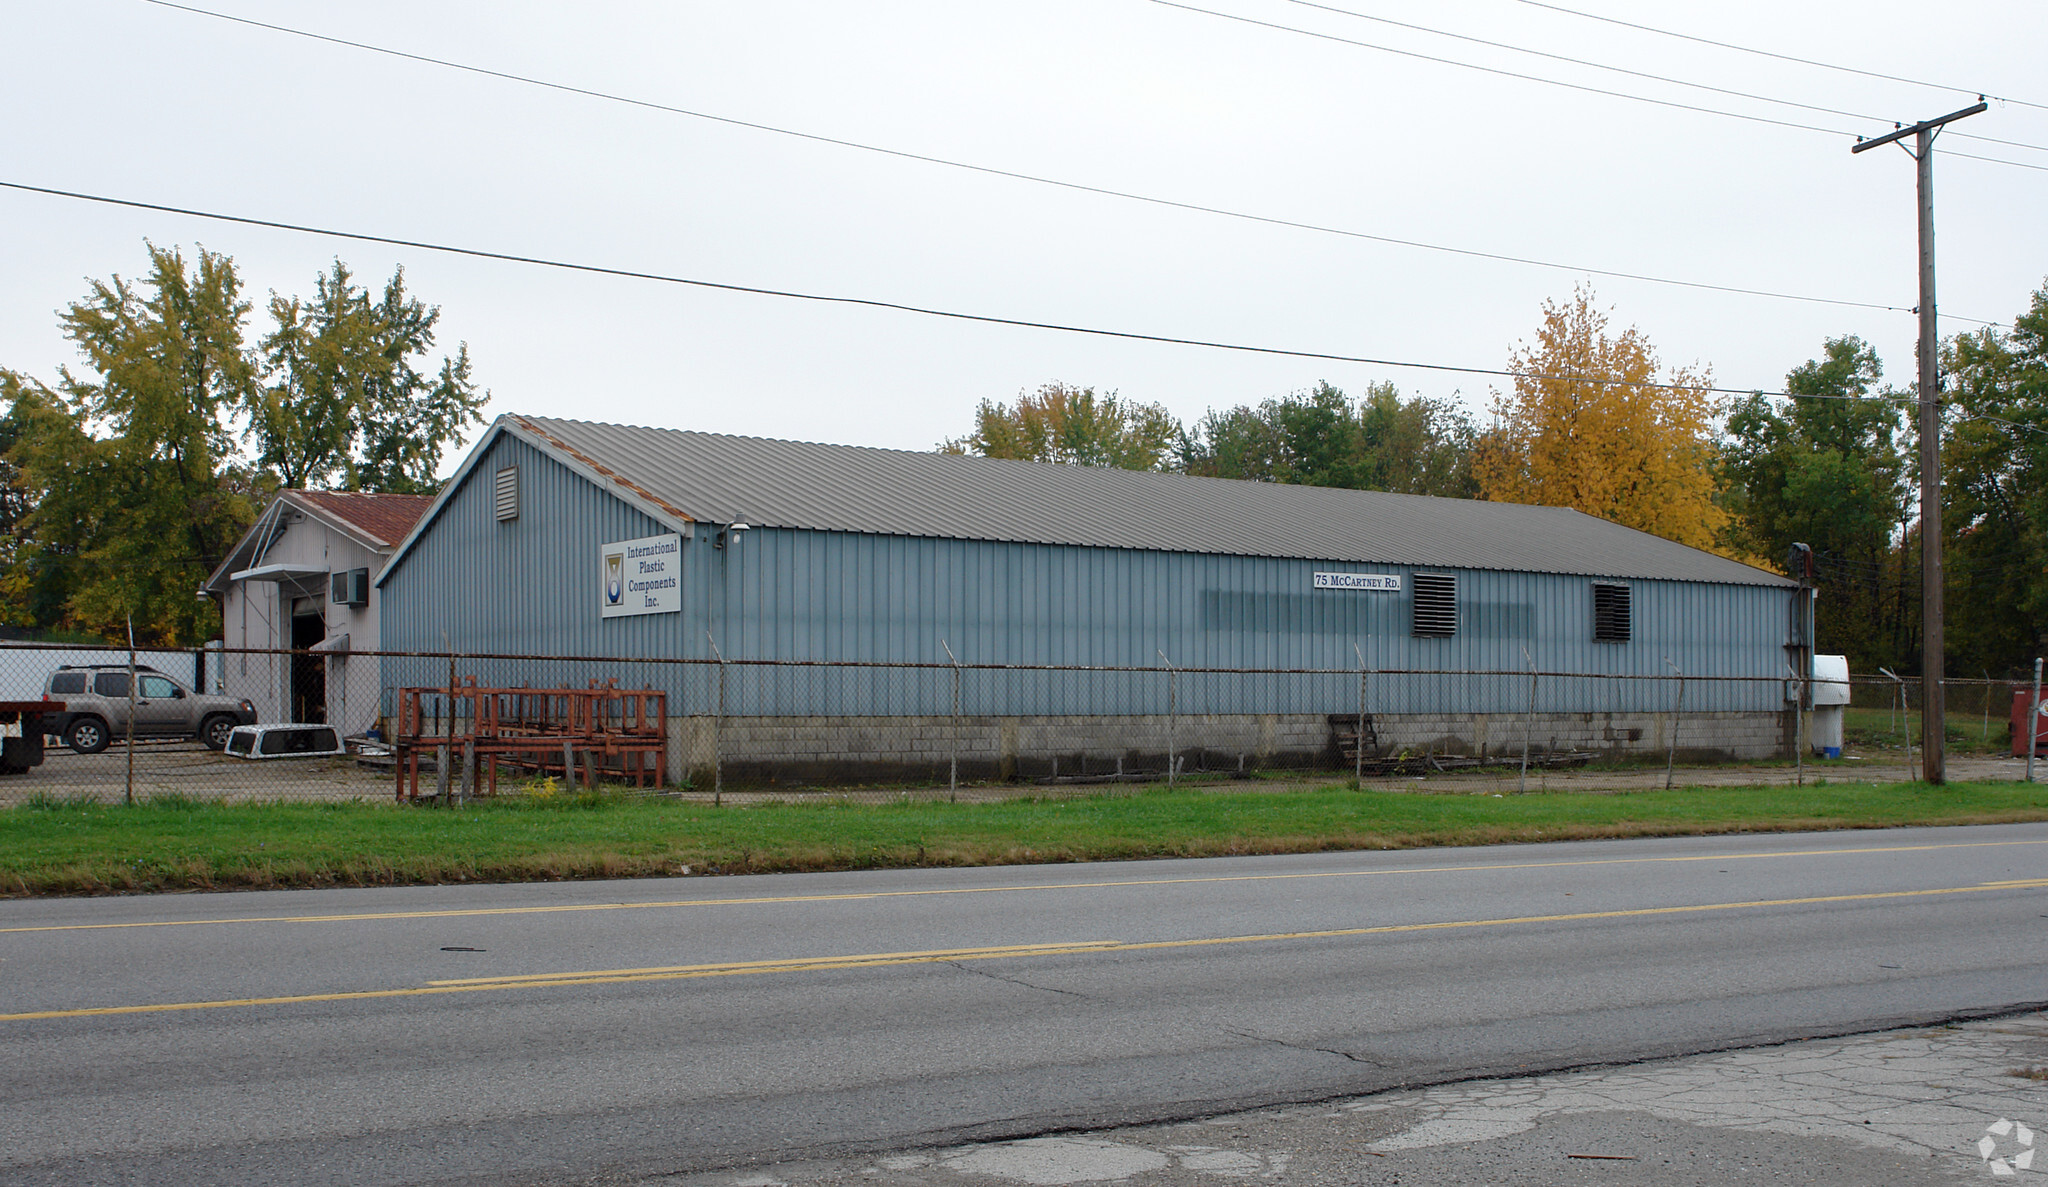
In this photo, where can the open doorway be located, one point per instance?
(309, 672)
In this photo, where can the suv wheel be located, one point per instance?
(87, 735)
(214, 731)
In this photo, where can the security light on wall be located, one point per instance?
(735, 526)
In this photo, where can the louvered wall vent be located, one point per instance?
(507, 494)
(1610, 612)
(1436, 604)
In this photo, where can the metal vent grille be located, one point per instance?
(1610, 612)
(1436, 604)
(506, 501)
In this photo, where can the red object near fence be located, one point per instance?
(599, 731)
(2022, 699)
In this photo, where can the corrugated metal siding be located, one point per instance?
(530, 586)
(526, 585)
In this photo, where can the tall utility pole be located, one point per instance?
(1933, 650)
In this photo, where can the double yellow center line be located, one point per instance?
(818, 964)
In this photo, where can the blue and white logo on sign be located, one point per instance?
(614, 577)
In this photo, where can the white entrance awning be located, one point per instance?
(292, 574)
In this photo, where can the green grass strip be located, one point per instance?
(83, 847)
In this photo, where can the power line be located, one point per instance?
(1643, 74)
(1080, 187)
(1442, 61)
(863, 302)
(1764, 53)
(1554, 82)
(926, 311)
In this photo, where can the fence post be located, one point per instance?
(718, 729)
(1671, 748)
(130, 796)
(1172, 718)
(1528, 724)
(1799, 738)
(2034, 720)
(1891, 705)
(1358, 743)
(1899, 698)
(953, 768)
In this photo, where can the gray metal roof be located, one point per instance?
(715, 478)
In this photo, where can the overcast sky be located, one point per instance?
(130, 99)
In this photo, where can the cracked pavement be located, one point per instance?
(1259, 1038)
(1020, 983)
(1932, 1105)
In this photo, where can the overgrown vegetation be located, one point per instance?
(69, 846)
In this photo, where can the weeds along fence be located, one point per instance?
(1885, 711)
(443, 727)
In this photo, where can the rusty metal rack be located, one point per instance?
(602, 732)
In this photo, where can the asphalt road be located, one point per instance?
(594, 1031)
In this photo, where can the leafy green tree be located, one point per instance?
(125, 481)
(1826, 470)
(1059, 423)
(34, 573)
(1322, 437)
(1995, 471)
(347, 405)
(130, 466)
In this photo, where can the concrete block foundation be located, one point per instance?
(811, 751)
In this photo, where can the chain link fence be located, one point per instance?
(1981, 718)
(414, 727)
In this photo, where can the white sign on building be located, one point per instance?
(1379, 582)
(643, 576)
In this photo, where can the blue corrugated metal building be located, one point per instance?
(856, 554)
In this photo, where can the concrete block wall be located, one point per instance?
(828, 750)
(1701, 737)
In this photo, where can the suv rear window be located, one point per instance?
(110, 684)
(68, 682)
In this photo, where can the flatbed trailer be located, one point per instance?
(19, 753)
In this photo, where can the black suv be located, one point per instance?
(96, 708)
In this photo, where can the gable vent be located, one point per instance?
(1436, 604)
(506, 494)
(1610, 612)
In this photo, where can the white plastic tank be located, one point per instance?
(1830, 699)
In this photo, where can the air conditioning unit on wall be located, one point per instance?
(351, 588)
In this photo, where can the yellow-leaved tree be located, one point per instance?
(1585, 428)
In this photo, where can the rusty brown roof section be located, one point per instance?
(383, 518)
(606, 471)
